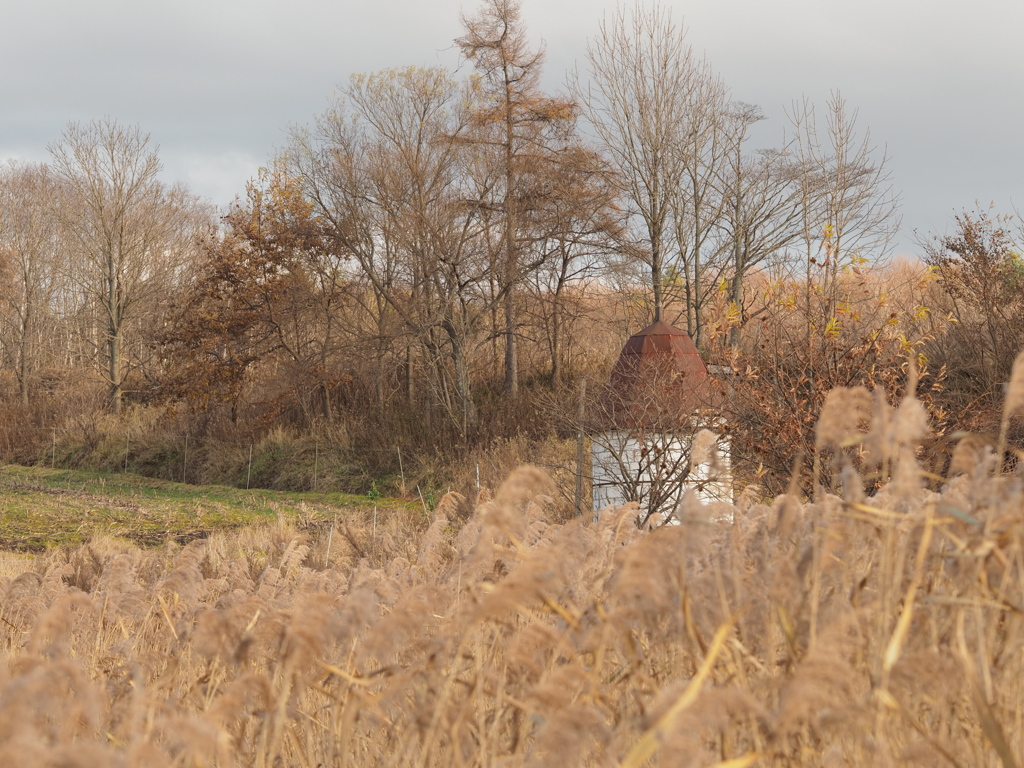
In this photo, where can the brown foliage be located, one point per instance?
(257, 298)
(980, 277)
(806, 343)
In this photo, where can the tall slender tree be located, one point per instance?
(641, 71)
(516, 119)
(849, 208)
(711, 125)
(131, 232)
(29, 241)
(388, 176)
(760, 213)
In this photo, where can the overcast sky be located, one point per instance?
(218, 83)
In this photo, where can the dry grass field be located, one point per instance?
(855, 628)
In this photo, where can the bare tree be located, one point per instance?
(711, 128)
(581, 227)
(641, 72)
(760, 213)
(523, 124)
(126, 227)
(29, 243)
(849, 206)
(387, 173)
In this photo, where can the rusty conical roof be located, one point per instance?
(663, 344)
(658, 380)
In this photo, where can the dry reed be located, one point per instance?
(868, 627)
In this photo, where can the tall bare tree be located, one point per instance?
(710, 128)
(387, 173)
(761, 212)
(516, 118)
(641, 71)
(582, 223)
(29, 242)
(849, 206)
(127, 229)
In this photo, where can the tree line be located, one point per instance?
(438, 258)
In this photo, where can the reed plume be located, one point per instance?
(877, 626)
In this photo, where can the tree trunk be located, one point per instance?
(467, 409)
(739, 267)
(511, 349)
(410, 391)
(511, 252)
(656, 271)
(114, 334)
(556, 345)
(23, 355)
(698, 273)
(114, 371)
(736, 331)
(325, 402)
(378, 379)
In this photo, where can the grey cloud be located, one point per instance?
(218, 82)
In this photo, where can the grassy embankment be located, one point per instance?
(41, 508)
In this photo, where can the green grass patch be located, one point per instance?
(42, 508)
